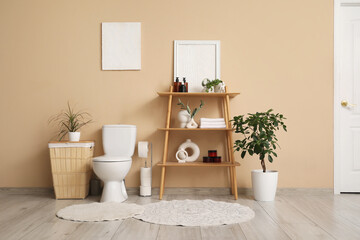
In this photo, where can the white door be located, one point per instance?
(347, 97)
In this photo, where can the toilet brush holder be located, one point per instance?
(95, 187)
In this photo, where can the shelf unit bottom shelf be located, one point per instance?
(198, 164)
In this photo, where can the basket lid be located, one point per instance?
(86, 144)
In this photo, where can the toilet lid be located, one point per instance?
(111, 159)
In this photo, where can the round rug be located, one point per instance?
(195, 213)
(96, 212)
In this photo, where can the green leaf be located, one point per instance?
(243, 154)
(270, 158)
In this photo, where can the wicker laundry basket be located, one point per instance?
(71, 166)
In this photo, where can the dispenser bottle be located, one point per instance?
(176, 85)
(185, 84)
(182, 88)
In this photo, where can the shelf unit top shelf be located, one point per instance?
(198, 164)
(196, 129)
(197, 94)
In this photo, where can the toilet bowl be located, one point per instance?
(111, 168)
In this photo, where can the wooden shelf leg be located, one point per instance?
(229, 147)
(228, 143)
(231, 180)
(162, 183)
(166, 146)
(235, 184)
(163, 169)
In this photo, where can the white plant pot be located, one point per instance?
(264, 184)
(74, 136)
(220, 88)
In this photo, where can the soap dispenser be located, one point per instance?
(185, 84)
(177, 85)
(182, 88)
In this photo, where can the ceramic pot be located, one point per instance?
(192, 124)
(211, 90)
(264, 184)
(220, 88)
(184, 118)
(74, 136)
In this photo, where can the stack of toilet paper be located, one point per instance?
(145, 178)
(212, 123)
(145, 172)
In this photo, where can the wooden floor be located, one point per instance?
(295, 214)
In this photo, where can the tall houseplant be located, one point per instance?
(69, 122)
(259, 138)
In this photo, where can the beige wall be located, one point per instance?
(278, 54)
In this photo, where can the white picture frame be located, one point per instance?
(196, 60)
(121, 45)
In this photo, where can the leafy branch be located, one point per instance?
(187, 108)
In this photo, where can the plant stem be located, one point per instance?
(263, 165)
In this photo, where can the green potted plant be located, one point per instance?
(69, 122)
(215, 85)
(259, 138)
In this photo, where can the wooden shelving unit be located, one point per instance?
(230, 163)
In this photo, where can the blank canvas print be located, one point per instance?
(121, 46)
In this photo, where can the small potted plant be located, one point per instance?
(215, 85)
(69, 122)
(191, 114)
(259, 138)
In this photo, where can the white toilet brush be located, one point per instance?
(145, 172)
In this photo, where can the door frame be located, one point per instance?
(337, 81)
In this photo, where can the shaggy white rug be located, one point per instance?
(195, 213)
(96, 212)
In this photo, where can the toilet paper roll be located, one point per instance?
(143, 149)
(145, 177)
(145, 191)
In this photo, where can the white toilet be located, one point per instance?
(119, 145)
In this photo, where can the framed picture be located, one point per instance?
(196, 60)
(121, 45)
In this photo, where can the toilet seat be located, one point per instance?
(105, 158)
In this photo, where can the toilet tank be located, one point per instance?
(119, 140)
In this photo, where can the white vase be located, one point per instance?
(192, 124)
(211, 90)
(74, 136)
(182, 154)
(264, 184)
(184, 118)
